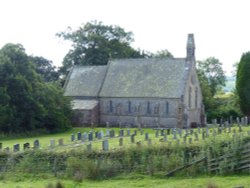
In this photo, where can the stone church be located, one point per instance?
(154, 92)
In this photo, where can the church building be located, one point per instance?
(153, 92)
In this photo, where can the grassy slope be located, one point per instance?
(147, 182)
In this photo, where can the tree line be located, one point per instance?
(31, 95)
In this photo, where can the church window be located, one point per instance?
(148, 107)
(167, 107)
(129, 107)
(196, 97)
(189, 97)
(156, 109)
(111, 106)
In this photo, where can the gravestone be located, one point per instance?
(102, 133)
(96, 134)
(60, 142)
(180, 132)
(149, 141)
(121, 133)
(105, 145)
(107, 133)
(1, 145)
(165, 138)
(79, 136)
(99, 136)
(52, 143)
(121, 141)
(112, 134)
(157, 133)
(90, 136)
(141, 131)
(203, 135)
(72, 137)
(36, 144)
(132, 138)
(162, 132)
(16, 147)
(84, 137)
(7, 149)
(89, 147)
(135, 132)
(146, 136)
(237, 120)
(26, 146)
(128, 132)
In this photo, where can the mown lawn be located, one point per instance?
(134, 181)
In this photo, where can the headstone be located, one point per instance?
(242, 121)
(7, 149)
(36, 144)
(207, 131)
(84, 137)
(246, 120)
(112, 133)
(121, 133)
(162, 132)
(128, 132)
(165, 138)
(141, 131)
(121, 141)
(231, 120)
(132, 138)
(180, 132)
(105, 145)
(89, 147)
(149, 141)
(96, 134)
(107, 133)
(16, 147)
(90, 136)
(146, 136)
(52, 143)
(168, 131)
(156, 133)
(79, 136)
(72, 137)
(26, 146)
(203, 135)
(238, 120)
(99, 136)
(60, 142)
(135, 132)
(1, 145)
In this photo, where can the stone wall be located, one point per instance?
(147, 112)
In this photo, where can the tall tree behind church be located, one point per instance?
(94, 44)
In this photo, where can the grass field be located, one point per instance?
(135, 181)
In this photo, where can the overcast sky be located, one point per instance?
(221, 27)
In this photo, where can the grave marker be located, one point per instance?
(60, 142)
(79, 136)
(146, 136)
(36, 144)
(26, 146)
(121, 141)
(90, 136)
(16, 147)
(132, 138)
(72, 137)
(52, 143)
(105, 145)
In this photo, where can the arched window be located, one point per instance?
(196, 97)
(148, 107)
(110, 106)
(167, 107)
(129, 107)
(189, 97)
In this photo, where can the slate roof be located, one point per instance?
(85, 81)
(84, 104)
(159, 77)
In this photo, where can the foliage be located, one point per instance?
(27, 103)
(211, 68)
(45, 68)
(95, 43)
(162, 54)
(243, 83)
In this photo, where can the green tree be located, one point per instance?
(94, 44)
(212, 69)
(27, 103)
(243, 83)
(45, 68)
(162, 54)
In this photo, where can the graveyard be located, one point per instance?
(104, 153)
